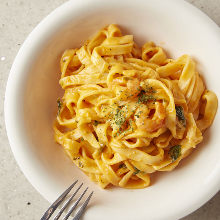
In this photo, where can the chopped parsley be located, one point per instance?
(180, 115)
(82, 139)
(144, 98)
(136, 171)
(129, 128)
(130, 125)
(149, 89)
(175, 152)
(59, 104)
(96, 123)
(138, 114)
(122, 165)
(119, 118)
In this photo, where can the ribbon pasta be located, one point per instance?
(127, 111)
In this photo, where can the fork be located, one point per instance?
(61, 198)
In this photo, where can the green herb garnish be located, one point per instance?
(138, 114)
(130, 125)
(180, 115)
(82, 139)
(119, 116)
(175, 152)
(122, 165)
(136, 171)
(59, 104)
(144, 98)
(96, 123)
(150, 89)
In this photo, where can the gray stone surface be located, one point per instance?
(18, 199)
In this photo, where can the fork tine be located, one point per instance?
(82, 208)
(74, 205)
(67, 203)
(54, 206)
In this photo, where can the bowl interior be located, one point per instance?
(169, 24)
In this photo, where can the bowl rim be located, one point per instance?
(14, 84)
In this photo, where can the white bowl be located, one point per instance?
(32, 90)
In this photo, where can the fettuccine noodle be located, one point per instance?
(128, 111)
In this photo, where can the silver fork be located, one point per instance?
(54, 206)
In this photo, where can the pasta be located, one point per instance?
(127, 111)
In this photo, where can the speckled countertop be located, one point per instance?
(18, 199)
